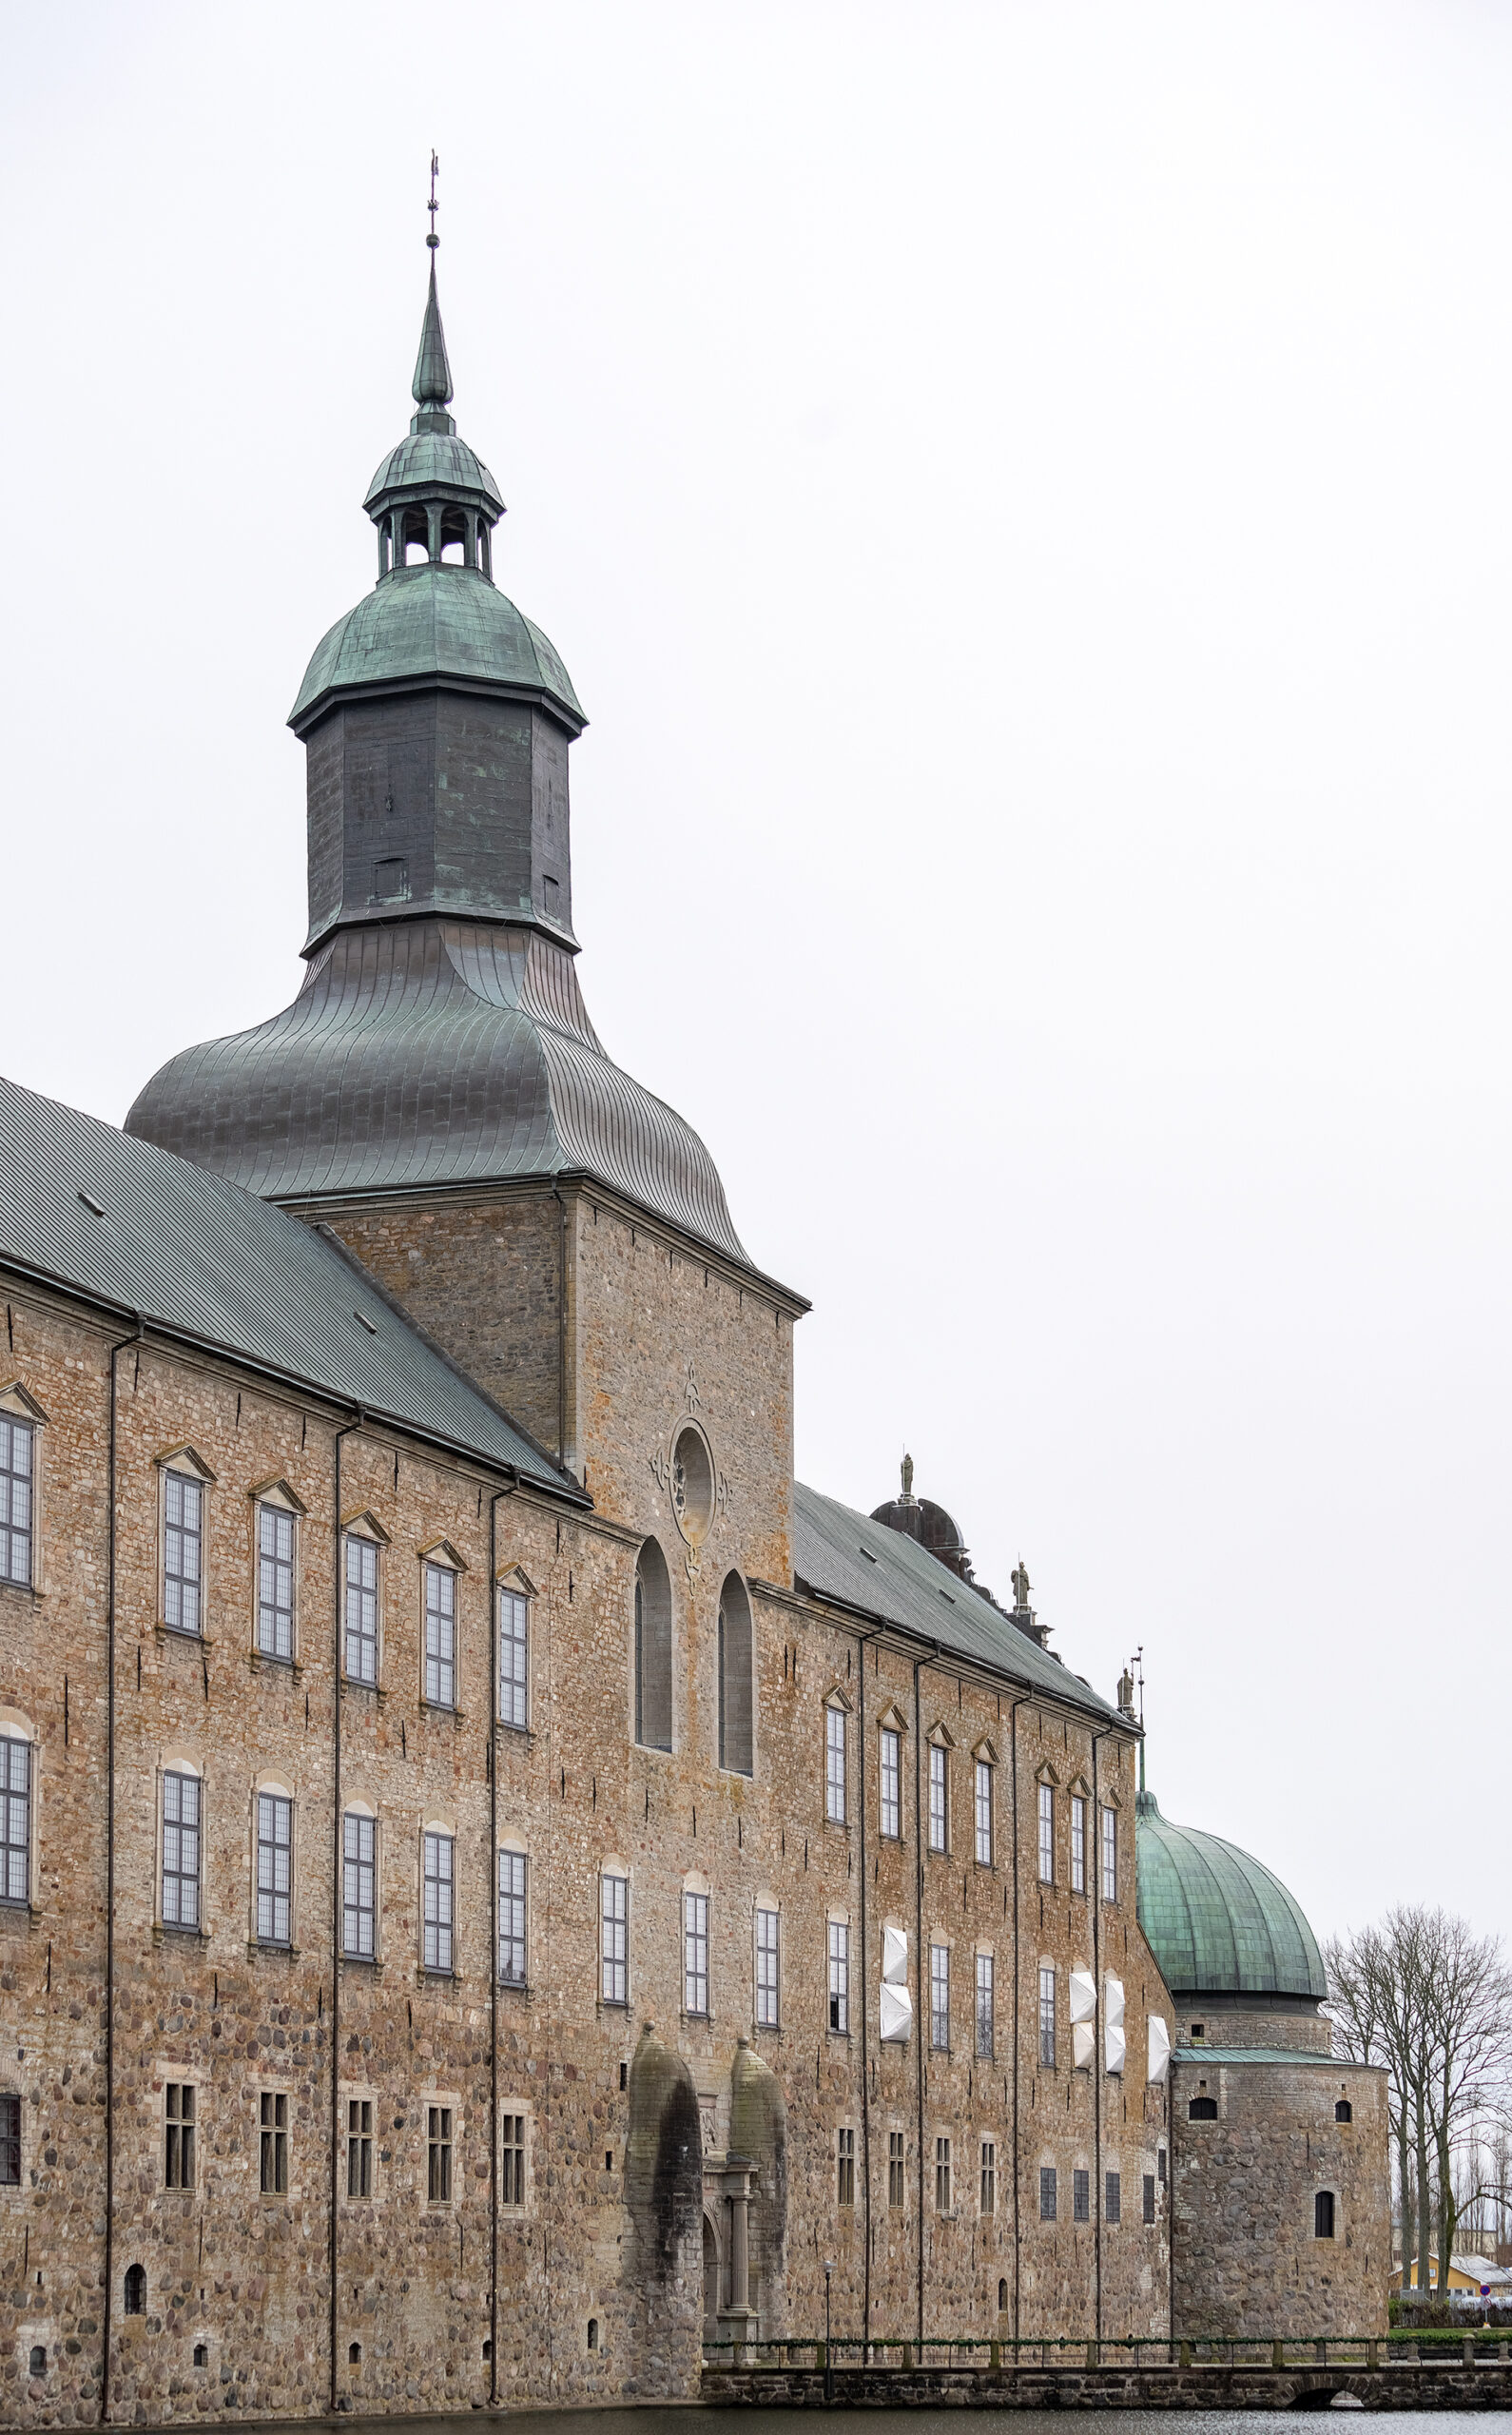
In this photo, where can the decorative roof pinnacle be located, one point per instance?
(432, 385)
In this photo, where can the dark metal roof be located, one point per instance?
(430, 1053)
(843, 1555)
(203, 1260)
(1217, 1922)
(431, 622)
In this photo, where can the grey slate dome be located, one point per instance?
(1217, 1922)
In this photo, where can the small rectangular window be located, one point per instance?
(362, 1610)
(359, 1885)
(938, 1803)
(767, 1978)
(1323, 2215)
(440, 1636)
(989, 2176)
(178, 2135)
(359, 2147)
(984, 2006)
(1149, 2197)
(183, 1511)
(275, 1868)
(180, 1851)
(275, 1583)
(15, 1820)
(613, 1915)
(983, 1814)
(273, 2163)
(513, 1659)
(440, 1860)
(1047, 2194)
(1160, 2165)
(512, 1918)
(9, 2143)
(839, 1977)
(1113, 2199)
(17, 1466)
(512, 2158)
(895, 2167)
(1110, 1855)
(891, 1789)
(439, 2155)
(835, 1765)
(696, 1955)
(1078, 1844)
(1080, 2197)
(1047, 1835)
(845, 2157)
(939, 1997)
(942, 2190)
(1047, 2017)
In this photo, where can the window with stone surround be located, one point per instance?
(513, 1659)
(178, 2134)
(440, 1636)
(613, 1946)
(895, 2167)
(359, 1885)
(361, 1571)
(942, 2176)
(181, 1849)
(275, 1527)
(512, 2160)
(845, 2158)
(696, 1955)
(939, 1997)
(9, 2143)
(183, 1553)
(835, 1764)
(511, 1917)
(1047, 2194)
(989, 2176)
(984, 2007)
(359, 2147)
(1323, 2215)
(15, 1820)
(1047, 1835)
(938, 1799)
(1080, 2196)
(1113, 2198)
(1078, 1844)
(438, 2155)
(733, 1653)
(1150, 2198)
(839, 1977)
(1110, 1855)
(275, 1818)
(768, 1973)
(18, 1441)
(1047, 2015)
(653, 1649)
(890, 1805)
(983, 1814)
(273, 2142)
(440, 1865)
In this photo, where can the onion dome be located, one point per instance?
(1217, 1922)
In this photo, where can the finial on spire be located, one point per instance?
(432, 385)
(433, 239)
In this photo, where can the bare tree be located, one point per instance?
(1468, 2010)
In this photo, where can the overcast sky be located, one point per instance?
(1024, 495)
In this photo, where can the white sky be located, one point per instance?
(1024, 495)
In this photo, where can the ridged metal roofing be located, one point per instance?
(432, 460)
(1217, 1921)
(435, 621)
(431, 1053)
(838, 1553)
(202, 1259)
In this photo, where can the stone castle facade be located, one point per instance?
(503, 1886)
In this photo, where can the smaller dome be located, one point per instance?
(432, 460)
(430, 621)
(1217, 1921)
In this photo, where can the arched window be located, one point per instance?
(1203, 2109)
(1003, 2291)
(39, 2360)
(136, 2291)
(736, 1678)
(592, 2334)
(1344, 2110)
(653, 1649)
(1323, 2215)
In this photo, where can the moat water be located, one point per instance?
(692, 2418)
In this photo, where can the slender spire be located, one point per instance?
(432, 373)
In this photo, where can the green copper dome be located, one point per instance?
(427, 621)
(1216, 1921)
(437, 462)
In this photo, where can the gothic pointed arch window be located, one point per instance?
(653, 1649)
(734, 1655)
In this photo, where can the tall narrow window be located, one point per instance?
(613, 1948)
(275, 1868)
(1110, 1855)
(1113, 2198)
(184, 1511)
(275, 1582)
(439, 2155)
(989, 2176)
(939, 1997)
(512, 1918)
(939, 1810)
(835, 1765)
(767, 1973)
(696, 1955)
(362, 1610)
(895, 2167)
(1078, 1843)
(736, 1739)
(1080, 2197)
(359, 2147)
(439, 1857)
(984, 2006)
(1047, 1835)
(839, 1977)
(359, 1885)
(180, 1851)
(1150, 2198)
(178, 2135)
(15, 1820)
(1323, 2215)
(440, 1636)
(273, 2160)
(9, 2143)
(511, 2158)
(891, 1802)
(653, 1649)
(1047, 2194)
(1047, 2017)
(513, 1659)
(983, 1814)
(845, 2157)
(942, 2191)
(17, 1465)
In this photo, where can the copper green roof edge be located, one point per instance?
(435, 622)
(1330, 2063)
(1218, 1920)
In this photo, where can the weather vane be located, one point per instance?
(433, 239)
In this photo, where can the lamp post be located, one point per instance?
(830, 2356)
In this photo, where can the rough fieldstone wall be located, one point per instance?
(1231, 2022)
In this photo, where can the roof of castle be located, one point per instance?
(1216, 1919)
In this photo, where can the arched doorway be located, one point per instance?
(711, 2291)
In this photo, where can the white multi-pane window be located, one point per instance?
(941, 2176)
(696, 1955)
(512, 1867)
(613, 1942)
(15, 1820)
(1047, 2017)
(440, 1853)
(180, 1851)
(891, 1807)
(511, 2156)
(275, 1582)
(1110, 1855)
(183, 1553)
(938, 1812)
(275, 1867)
(1047, 1835)
(840, 1976)
(359, 1885)
(361, 1609)
(513, 1659)
(845, 2162)
(1078, 1844)
(17, 1469)
(769, 1982)
(939, 1996)
(984, 2006)
(835, 1765)
(440, 1636)
(983, 1814)
(989, 2176)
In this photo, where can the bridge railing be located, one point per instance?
(1399, 2348)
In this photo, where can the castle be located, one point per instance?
(502, 1886)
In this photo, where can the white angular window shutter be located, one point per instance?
(895, 2010)
(1159, 2049)
(1114, 2043)
(1084, 2016)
